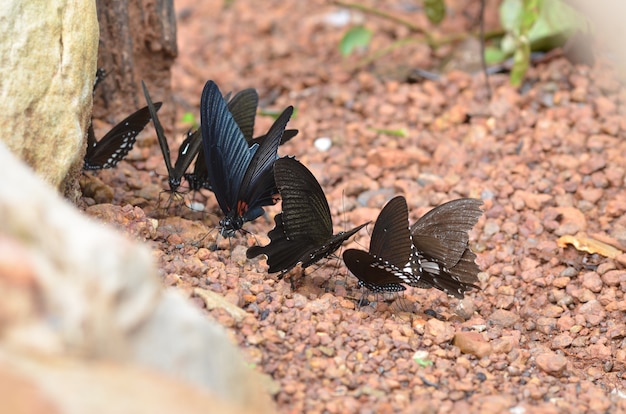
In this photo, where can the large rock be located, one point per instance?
(48, 52)
(80, 300)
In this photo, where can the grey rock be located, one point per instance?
(81, 291)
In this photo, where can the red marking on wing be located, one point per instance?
(242, 207)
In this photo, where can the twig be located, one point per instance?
(387, 16)
(482, 47)
(384, 51)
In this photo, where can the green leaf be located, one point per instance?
(357, 36)
(556, 22)
(189, 118)
(511, 15)
(423, 362)
(402, 132)
(494, 55)
(435, 10)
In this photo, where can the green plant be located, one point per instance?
(527, 25)
(402, 132)
(532, 25)
(190, 119)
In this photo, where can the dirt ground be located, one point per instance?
(546, 331)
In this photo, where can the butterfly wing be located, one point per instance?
(165, 148)
(304, 230)
(258, 186)
(287, 135)
(429, 272)
(226, 151)
(441, 257)
(199, 178)
(283, 254)
(243, 109)
(371, 273)
(305, 222)
(100, 75)
(118, 142)
(391, 238)
(189, 149)
(306, 214)
(448, 223)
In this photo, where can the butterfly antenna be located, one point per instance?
(198, 242)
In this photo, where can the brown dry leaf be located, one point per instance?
(214, 300)
(587, 244)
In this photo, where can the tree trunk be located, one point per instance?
(137, 42)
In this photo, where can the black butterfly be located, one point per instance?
(243, 108)
(118, 142)
(241, 176)
(304, 230)
(188, 150)
(434, 252)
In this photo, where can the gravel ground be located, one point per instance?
(545, 333)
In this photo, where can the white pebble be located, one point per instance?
(196, 206)
(323, 144)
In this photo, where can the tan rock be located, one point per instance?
(472, 343)
(551, 363)
(48, 70)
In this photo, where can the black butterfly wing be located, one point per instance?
(100, 75)
(304, 230)
(91, 138)
(372, 273)
(258, 186)
(199, 178)
(306, 214)
(189, 149)
(391, 239)
(283, 254)
(441, 256)
(226, 151)
(429, 272)
(287, 135)
(381, 270)
(165, 148)
(449, 223)
(304, 223)
(117, 143)
(243, 109)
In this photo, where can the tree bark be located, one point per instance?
(137, 42)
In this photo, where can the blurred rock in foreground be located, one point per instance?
(86, 327)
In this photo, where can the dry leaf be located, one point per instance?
(587, 244)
